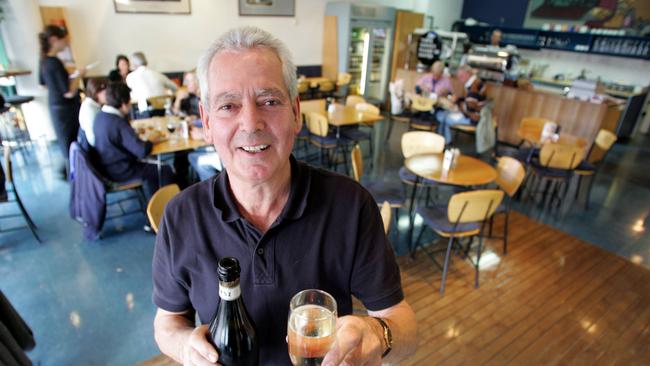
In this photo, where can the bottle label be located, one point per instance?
(229, 293)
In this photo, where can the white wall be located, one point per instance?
(616, 69)
(173, 42)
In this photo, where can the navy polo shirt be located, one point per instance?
(329, 236)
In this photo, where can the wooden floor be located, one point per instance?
(553, 300)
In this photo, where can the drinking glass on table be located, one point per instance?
(171, 128)
(312, 327)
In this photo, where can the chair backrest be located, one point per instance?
(353, 100)
(158, 102)
(386, 216)
(367, 108)
(326, 86)
(317, 124)
(357, 163)
(314, 105)
(9, 175)
(422, 104)
(422, 142)
(343, 78)
(303, 86)
(536, 123)
(473, 206)
(560, 156)
(604, 141)
(157, 203)
(510, 174)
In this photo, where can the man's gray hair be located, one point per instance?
(138, 59)
(245, 38)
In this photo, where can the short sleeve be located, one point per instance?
(168, 293)
(375, 275)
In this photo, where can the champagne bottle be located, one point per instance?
(231, 330)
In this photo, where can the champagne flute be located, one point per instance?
(312, 327)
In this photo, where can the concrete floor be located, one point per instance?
(89, 303)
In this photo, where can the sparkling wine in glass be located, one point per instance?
(312, 327)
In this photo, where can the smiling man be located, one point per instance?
(291, 226)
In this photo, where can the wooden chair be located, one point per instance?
(303, 90)
(386, 216)
(11, 188)
(590, 166)
(157, 203)
(315, 105)
(419, 142)
(326, 89)
(556, 164)
(422, 119)
(382, 191)
(511, 174)
(353, 100)
(320, 136)
(160, 102)
(354, 133)
(342, 86)
(464, 217)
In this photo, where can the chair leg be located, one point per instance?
(142, 200)
(505, 232)
(390, 128)
(445, 268)
(592, 178)
(28, 219)
(478, 260)
(417, 241)
(396, 214)
(490, 227)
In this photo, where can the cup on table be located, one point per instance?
(311, 327)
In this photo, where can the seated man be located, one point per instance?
(146, 83)
(468, 108)
(291, 226)
(434, 82)
(187, 97)
(117, 146)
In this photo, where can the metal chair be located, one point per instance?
(419, 142)
(159, 105)
(422, 118)
(590, 166)
(511, 174)
(353, 100)
(157, 203)
(556, 165)
(321, 137)
(464, 217)
(9, 177)
(355, 134)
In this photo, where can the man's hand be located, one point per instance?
(358, 342)
(197, 351)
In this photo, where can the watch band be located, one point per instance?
(388, 336)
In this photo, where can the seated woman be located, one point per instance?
(121, 70)
(117, 146)
(469, 108)
(92, 104)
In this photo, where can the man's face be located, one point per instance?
(252, 122)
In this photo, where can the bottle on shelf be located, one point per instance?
(231, 330)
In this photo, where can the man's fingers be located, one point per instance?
(197, 359)
(200, 344)
(348, 340)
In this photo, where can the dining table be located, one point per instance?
(165, 142)
(467, 172)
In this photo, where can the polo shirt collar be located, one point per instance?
(112, 110)
(224, 200)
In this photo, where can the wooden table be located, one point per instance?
(349, 116)
(534, 137)
(468, 172)
(11, 73)
(315, 81)
(167, 146)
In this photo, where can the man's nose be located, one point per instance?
(250, 118)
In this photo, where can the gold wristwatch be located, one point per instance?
(388, 336)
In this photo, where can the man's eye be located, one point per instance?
(272, 102)
(226, 107)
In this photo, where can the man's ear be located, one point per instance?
(297, 114)
(205, 120)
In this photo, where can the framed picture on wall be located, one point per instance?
(281, 8)
(153, 6)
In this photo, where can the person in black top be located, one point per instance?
(121, 70)
(63, 91)
(468, 110)
(118, 148)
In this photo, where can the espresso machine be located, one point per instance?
(493, 63)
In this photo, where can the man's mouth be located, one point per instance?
(255, 148)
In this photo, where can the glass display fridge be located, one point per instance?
(364, 40)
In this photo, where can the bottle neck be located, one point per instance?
(229, 291)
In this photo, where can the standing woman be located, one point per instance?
(63, 91)
(121, 70)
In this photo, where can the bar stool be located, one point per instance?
(14, 129)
